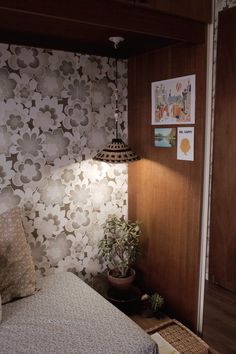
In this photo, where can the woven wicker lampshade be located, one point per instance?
(117, 151)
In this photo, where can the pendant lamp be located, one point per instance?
(117, 151)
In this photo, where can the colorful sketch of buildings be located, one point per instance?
(173, 101)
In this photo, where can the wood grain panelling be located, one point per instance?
(86, 25)
(196, 9)
(165, 194)
(222, 258)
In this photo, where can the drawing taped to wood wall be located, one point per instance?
(173, 101)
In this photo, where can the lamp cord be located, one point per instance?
(116, 101)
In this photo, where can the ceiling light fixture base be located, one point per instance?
(116, 41)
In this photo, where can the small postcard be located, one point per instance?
(165, 137)
(185, 144)
(173, 101)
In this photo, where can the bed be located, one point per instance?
(68, 316)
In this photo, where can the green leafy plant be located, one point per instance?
(157, 302)
(120, 244)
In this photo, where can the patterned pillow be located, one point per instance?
(17, 274)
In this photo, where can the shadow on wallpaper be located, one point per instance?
(56, 111)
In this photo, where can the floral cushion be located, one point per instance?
(17, 274)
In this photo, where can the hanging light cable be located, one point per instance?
(117, 151)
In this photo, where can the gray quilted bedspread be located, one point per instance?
(67, 316)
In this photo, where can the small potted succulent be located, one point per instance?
(157, 302)
(152, 304)
(119, 247)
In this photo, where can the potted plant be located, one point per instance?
(119, 247)
(152, 304)
(157, 302)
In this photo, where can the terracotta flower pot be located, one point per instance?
(121, 283)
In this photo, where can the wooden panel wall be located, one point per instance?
(196, 9)
(165, 194)
(199, 10)
(222, 257)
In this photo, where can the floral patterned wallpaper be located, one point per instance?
(56, 111)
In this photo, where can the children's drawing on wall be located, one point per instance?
(185, 144)
(165, 137)
(173, 101)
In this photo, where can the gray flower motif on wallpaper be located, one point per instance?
(100, 193)
(97, 138)
(56, 144)
(50, 220)
(76, 89)
(93, 171)
(13, 115)
(56, 111)
(78, 195)
(52, 192)
(27, 143)
(50, 83)
(85, 246)
(65, 63)
(92, 235)
(104, 118)
(38, 251)
(25, 89)
(77, 115)
(5, 140)
(47, 114)
(68, 175)
(95, 68)
(7, 85)
(78, 218)
(58, 248)
(27, 60)
(29, 172)
(8, 199)
(6, 171)
(77, 149)
(66, 68)
(4, 54)
(14, 121)
(81, 244)
(101, 93)
(92, 264)
(30, 199)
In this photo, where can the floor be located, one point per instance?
(148, 323)
(219, 327)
